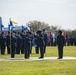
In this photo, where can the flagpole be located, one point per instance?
(10, 39)
(10, 43)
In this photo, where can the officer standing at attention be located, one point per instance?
(45, 39)
(19, 41)
(3, 43)
(41, 43)
(60, 43)
(31, 39)
(8, 43)
(36, 44)
(22, 45)
(27, 45)
(13, 44)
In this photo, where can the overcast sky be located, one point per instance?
(53, 12)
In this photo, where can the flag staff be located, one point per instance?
(10, 43)
(10, 35)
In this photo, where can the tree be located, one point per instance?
(74, 33)
(55, 28)
(38, 25)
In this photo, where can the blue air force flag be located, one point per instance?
(2, 27)
(10, 26)
(24, 28)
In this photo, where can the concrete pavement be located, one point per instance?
(36, 58)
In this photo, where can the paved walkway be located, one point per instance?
(36, 58)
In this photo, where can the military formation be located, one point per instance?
(22, 42)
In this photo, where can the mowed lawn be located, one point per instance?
(42, 67)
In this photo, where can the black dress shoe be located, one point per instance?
(41, 57)
(27, 58)
(59, 58)
(12, 57)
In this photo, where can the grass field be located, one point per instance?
(45, 67)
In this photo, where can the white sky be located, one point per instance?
(53, 12)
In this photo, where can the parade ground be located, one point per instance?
(49, 65)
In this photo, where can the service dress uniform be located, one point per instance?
(26, 46)
(60, 43)
(3, 43)
(8, 43)
(13, 45)
(19, 42)
(41, 44)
